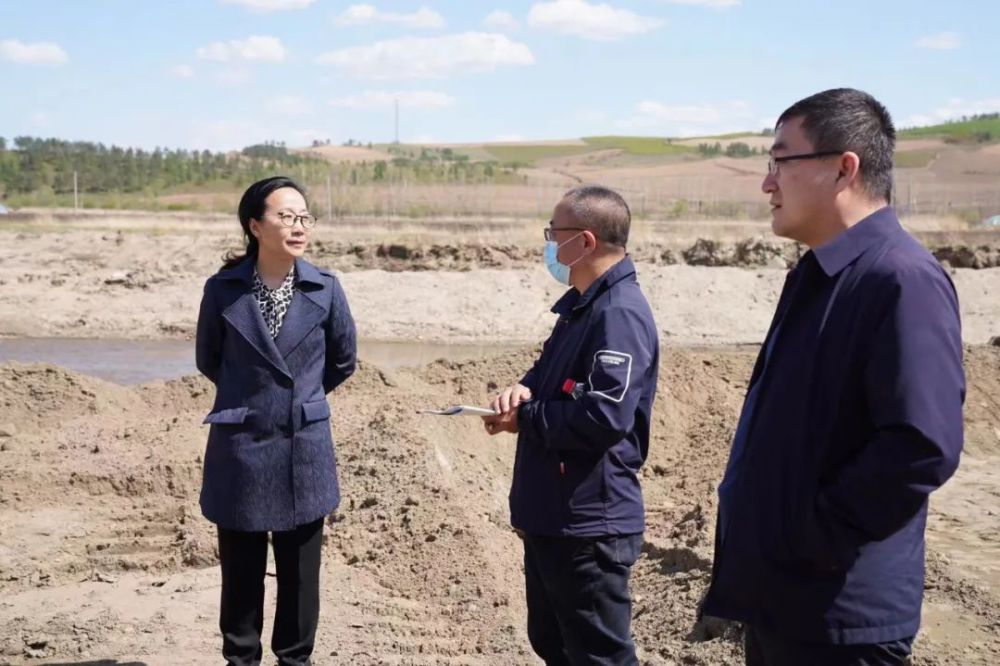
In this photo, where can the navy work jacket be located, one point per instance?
(580, 447)
(270, 464)
(853, 416)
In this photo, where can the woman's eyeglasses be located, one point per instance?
(307, 220)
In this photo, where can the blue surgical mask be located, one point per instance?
(557, 269)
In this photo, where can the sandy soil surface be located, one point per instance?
(707, 283)
(106, 555)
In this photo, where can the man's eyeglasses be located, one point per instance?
(289, 219)
(772, 164)
(550, 232)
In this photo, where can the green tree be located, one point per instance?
(738, 149)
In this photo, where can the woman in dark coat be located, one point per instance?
(275, 335)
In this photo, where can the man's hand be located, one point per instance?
(505, 404)
(509, 398)
(501, 422)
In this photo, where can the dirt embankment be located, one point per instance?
(106, 554)
(965, 256)
(104, 284)
(745, 253)
(397, 257)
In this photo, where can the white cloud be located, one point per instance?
(689, 119)
(381, 99)
(39, 53)
(182, 72)
(270, 5)
(945, 41)
(290, 105)
(714, 4)
(258, 48)
(501, 20)
(368, 14)
(955, 109)
(234, 76)
(429, 57)
(599, 22)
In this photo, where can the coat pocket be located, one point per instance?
(582, 482)
(317, 410)
(234, 416)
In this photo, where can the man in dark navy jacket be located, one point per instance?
(854, 411)
(582, 416)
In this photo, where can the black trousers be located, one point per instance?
(765, 649)
(243, 556)
(579, 608)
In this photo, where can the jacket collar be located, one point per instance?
(573, 301)
(833, 256)
(243, 272)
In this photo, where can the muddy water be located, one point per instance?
(132, 362)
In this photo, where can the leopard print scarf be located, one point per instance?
(274, 302)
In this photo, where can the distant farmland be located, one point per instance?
(948, 170)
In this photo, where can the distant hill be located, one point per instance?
(983, 128)
(530, 152)
(374, 178)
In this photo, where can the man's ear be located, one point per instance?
(850, 170)
(590, 238)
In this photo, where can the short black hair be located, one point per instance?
(851, 120)
(602, 211)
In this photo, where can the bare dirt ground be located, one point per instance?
(104, 554)
(141, 276)
(107, 556)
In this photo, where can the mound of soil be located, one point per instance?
(110, 557)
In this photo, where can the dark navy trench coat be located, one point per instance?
(270, 463)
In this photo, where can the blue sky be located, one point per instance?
(222, 74)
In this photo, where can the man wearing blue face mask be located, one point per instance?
(582, 419)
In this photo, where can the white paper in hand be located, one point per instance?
(460, 410)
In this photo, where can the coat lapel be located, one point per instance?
(303, 315)
(305, 312)
(244, 315)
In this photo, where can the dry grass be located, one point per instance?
(352, 154)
